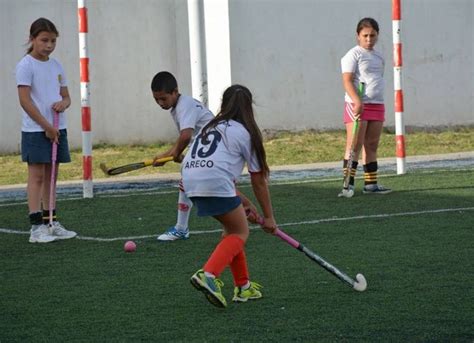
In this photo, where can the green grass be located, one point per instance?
(282, 148)
(418, 263)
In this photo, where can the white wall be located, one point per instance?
(286, 51)
(129, 41)
(15, 20)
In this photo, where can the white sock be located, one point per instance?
(209, 275)
(184, 210)
(246, 286)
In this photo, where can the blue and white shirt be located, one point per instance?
(212, 166)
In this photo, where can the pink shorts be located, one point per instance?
(371, 112)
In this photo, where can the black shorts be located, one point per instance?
(37, 148)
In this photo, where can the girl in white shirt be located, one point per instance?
(210, 170)
(42, 91)
(364, 64)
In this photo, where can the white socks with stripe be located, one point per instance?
(184, 210)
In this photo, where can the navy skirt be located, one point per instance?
(37, 148)
(214, 206)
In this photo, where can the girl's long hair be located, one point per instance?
(237, 105)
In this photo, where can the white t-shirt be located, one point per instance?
(366, 66)
(189, 113)
(211, 167)
(45, 79)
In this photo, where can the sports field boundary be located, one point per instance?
(285, 173)
(382, 162)
(171, 189)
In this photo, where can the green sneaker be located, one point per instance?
(210, 287)
(253, 292)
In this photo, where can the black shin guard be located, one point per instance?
(370, 173)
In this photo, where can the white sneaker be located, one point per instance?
(347, 192)
(376, 189)
(58, 231)
(173, 234)
(41, 234)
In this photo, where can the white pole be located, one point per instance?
(197, 51)
(216, 14)
(85, 101)
(397, 79)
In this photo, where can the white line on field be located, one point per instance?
(100, 196)
(308, 222)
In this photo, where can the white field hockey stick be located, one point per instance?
(52, 184)
(355, 133)
(360, 284)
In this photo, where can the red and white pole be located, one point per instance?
(85, 103)
(397, 80)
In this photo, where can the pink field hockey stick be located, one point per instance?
(52, 185)
(359, 285)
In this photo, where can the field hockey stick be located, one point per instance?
(359, 285)
(52, 184)
(355, 133)
(132, 166)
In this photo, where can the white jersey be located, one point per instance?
(366, 66)
(212, 166)
(189, 113)
(45, 79)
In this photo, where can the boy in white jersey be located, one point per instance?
(190, 116)
(212, 165)
(364, 64)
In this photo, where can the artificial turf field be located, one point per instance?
(414, 246)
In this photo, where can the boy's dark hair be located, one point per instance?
(38, 26)
(164, 81)
(237, 105)
(367, 22)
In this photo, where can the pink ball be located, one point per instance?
(130, 246)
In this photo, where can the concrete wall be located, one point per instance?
(129, 41)
(286, 51)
